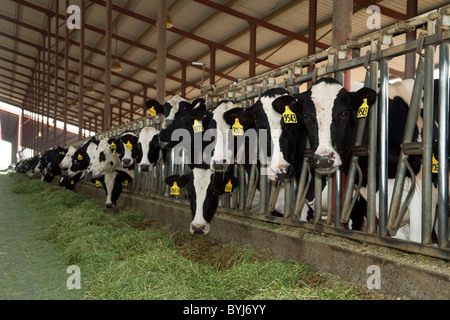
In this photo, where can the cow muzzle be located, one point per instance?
(324, 162)
(199, 229)
(144, 168)
(283, 173)
(126, 162)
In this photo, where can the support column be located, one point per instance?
(56, 74)
(108, 34)
(342, 29)
(66, 77)
(81, 74)
(183, 80)
(212, 64)
(161, 52)
(312, 32)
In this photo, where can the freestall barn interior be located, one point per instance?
(204, 45)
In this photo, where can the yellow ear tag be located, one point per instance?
(228, 186)
(289, 116)
(98, 183)
(198, 127)
(80, 157)
(363, 110)
(238, 129)
(71, 182)
(435, 165)
(125, 183)
(175, 190)
(63, 153)
(113, 148)
(152, 111)
(128, 146)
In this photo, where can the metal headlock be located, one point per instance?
(382, 221)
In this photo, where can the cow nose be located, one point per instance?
(284, 173)
(126, 162)
(220, 165)
(144, 167)
(324, 160)
(198, 229)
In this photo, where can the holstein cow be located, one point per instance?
(204, 187)
(329, 113)
(172, 109)
(149, 151)
(49, 163)
(106, 163)
(127, 148)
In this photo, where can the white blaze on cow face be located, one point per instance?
(174, 102)
(222, 152)
(323, 96)
(67, 160)
(145, 136)
(201, 181)
(277, 162)
(104, 161)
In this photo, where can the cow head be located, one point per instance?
(329, 114)
(154, 108)
(105, 158)
(232, 125)
(127, 148)
(148, 149)
(82, 157)
(204, 188)
(67, 160)
(276, 116)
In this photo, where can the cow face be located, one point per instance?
(233, 126)
(148, 149)
(105, 158)
(276, 109)
(127, 148)
(204, 188)
(82, 157)
(329, 114)
(67, 160)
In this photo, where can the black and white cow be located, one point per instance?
(106, 163)
(66, 162)
(127, 148)
(82, 157)
(49, 163)
(329, 114)
(204, 187)
(149, 151)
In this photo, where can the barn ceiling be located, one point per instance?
(199, 28)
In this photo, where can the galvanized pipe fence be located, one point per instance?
(380, 228)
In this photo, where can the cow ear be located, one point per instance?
(246, 117)
(180, 180)
(358, 97)
(154, 107)
(198, 103)
(280, 103)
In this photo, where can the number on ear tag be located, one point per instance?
(289, 116)
(228, 186)
(152, 111)
(238, 129)
(363, 110)
(198, 127)
(175, 189)
(128, 146)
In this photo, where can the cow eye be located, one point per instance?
(344, 114)
(305, 116)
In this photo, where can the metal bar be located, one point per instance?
(397, 210)
(81, 73)
(383, 146)
(107, 93)
(442, 213)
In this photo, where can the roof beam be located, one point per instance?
(260, 22)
